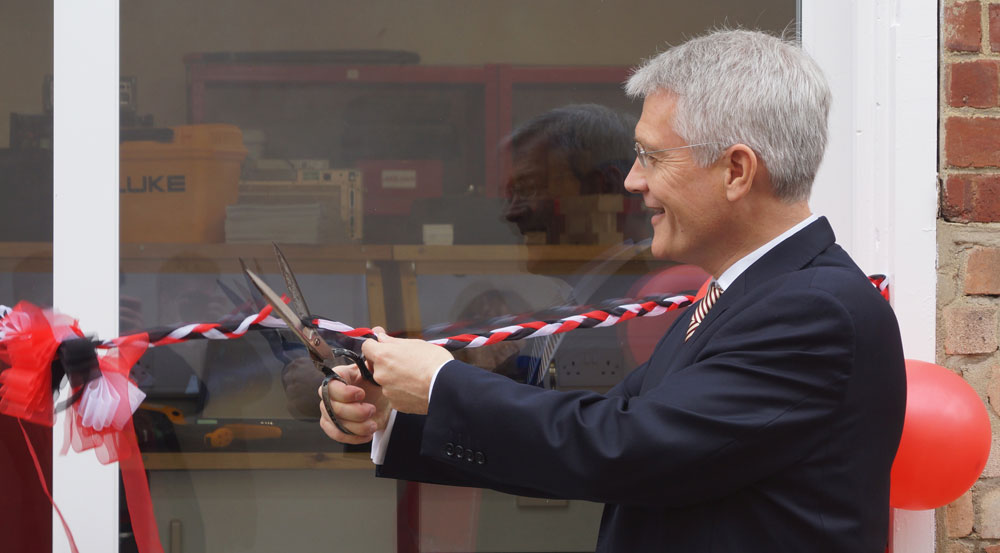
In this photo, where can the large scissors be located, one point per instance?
(299, 321)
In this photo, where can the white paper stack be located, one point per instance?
(285, 223)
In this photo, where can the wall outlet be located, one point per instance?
(598, 367)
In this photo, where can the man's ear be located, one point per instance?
(740, 168)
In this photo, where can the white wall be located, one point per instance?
(878, 182)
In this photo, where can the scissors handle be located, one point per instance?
(332, 375)
(358, 359)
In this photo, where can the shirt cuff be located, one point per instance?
(433, 380)
(380, 440)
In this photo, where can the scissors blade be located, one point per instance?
(318, 348)
(258, 300)
(298, 301)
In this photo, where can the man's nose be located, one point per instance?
(635, 181)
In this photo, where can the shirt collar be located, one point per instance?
(736, 269)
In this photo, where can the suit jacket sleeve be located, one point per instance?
(753, 401)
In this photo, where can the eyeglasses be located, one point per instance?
(641, 152)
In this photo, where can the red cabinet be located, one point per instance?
(454, 115)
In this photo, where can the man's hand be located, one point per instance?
(404, 368)
(359, 407)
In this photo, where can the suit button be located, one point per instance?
(459, 451)
(449, 449)
(468, 455)
(480, 458)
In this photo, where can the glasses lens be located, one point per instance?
(640, 154)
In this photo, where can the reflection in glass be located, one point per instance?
(418, 170)
(25, 248)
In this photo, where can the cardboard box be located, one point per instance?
(438, 234)
(177, 190)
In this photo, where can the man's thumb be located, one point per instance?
(381, 336)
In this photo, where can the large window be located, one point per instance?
(419, 164)
(412, 161)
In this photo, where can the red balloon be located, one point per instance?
(946, 439)
(643, 333)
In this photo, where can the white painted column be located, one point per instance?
(878, 182)
(85, 239)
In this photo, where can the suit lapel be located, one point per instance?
(792, 254)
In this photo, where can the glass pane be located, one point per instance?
(429, 167)
(25, 248)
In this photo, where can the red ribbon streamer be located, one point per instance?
(29, 347)
(45, 487)
(113, 445)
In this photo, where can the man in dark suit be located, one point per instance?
(768, 417)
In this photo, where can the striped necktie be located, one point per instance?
(714, 291)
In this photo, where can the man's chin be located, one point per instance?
(660, 250)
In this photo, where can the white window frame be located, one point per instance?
(878, 181)
(85, 239)
(878, 185)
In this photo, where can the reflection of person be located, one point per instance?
(765, 422)
(224, 374)
(502, 357)
(574, 150)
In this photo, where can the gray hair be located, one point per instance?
(746, 87)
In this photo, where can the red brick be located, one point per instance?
(993, 391)
(971, 199)
(992, 549)
(959, 516)
(970, 330)
(995, 28)
(972, 141)
(982, 272)
(988, 524)
(962, 29)
(973, 84)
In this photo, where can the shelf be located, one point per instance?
(551, 259)
(307, 258)
(255, 461)
(28, 257)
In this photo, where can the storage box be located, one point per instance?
(338, 191)
(176, 188)
(393, 185)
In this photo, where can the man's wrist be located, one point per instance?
(380, 440)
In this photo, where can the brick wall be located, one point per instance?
(969, 246)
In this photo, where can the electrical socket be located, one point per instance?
(583, 367)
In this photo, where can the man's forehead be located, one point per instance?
(657, 116)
